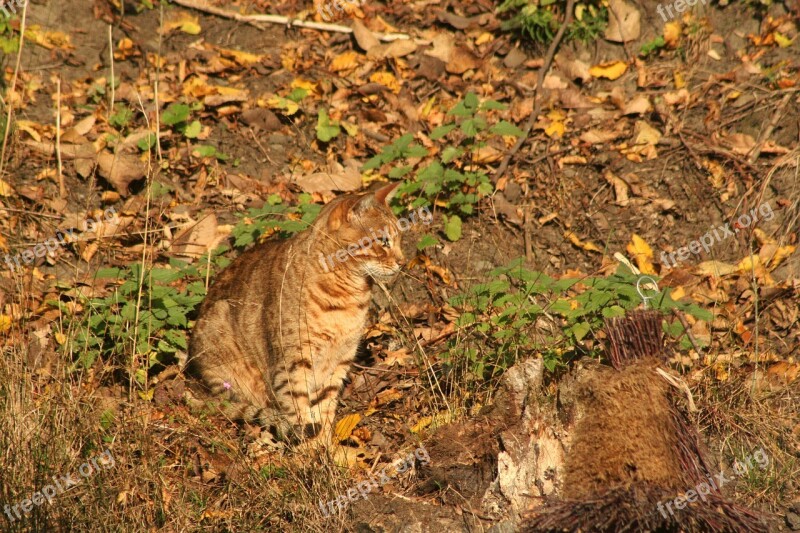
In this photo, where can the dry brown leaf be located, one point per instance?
(198, 238)
(364, 38)
(340, 178)
(120, 170)
(624, 22)
(462, 60)
(621, 188)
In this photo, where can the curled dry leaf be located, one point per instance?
(365, 39)
(347, 178)
(610, 70)
(120, 169)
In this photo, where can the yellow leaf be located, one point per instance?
(345, 61)
(387, 79)
(782, 253)
(423, 423)
(242, 58)
(48, 39)
(677, 293)
(677, 77)
(28, 127)
(5, 323)
(588, 246)
(672, 34)
(184, 22)
(147, 395)
(748, 263)
(484, 38)
(642, 254)
(714, 269)
(345, 426)
(610, 70)
(60, 338)
(555, 129)
(6, 189)
(300, 83)
(782, 40)
(288, 107)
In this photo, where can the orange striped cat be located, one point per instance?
(278, 331)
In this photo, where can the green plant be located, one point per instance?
(651, 46)
(506, 316)
(538, 21)
(274, 216)
(452, 180)
(9, 37)
(122, 117)
(147, 313)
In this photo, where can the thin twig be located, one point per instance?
(537, 103)
(279, 19)
(62, 190)
(13, 87)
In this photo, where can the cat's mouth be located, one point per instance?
(382, 271)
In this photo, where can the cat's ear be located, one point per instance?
(385, 194)
(371, 201)
(340, 213)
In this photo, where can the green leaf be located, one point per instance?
(506, 128)
(427, 241)
(327, 129)
(491, 105)
(452, 227)
(193, 130)
(147, 143)
(175, 114)
(297, 94)
(441, 131)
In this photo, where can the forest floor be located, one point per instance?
(634, 155)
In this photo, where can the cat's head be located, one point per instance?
(360, 232)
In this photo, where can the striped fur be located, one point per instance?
(278, 331)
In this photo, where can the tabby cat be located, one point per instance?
(277, 333)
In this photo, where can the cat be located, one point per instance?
(277, 333)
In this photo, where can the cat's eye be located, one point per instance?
(386, 242)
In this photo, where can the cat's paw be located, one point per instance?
(265, 444)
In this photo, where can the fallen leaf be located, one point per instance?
(340, 179)
(610, 70)
(642, 254)
(672, 34)
(365, 39)
(345, 61)
(715, 269)
(345, 426)
(588, 246)
(6, 189)
(621, 188)
(120, 170)
(183, 21)
(624, 22)
(462, 60)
